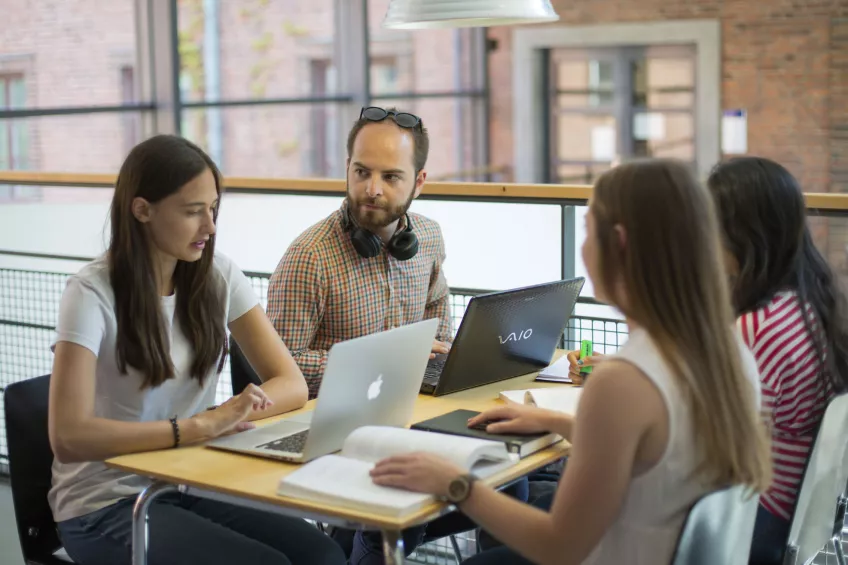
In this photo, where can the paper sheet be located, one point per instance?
(561, 399)
(558, 369)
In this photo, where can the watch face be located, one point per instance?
(458, 489)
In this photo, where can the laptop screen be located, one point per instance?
(509, 333)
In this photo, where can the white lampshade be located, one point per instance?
(428, 14)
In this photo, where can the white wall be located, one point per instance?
(489, 245)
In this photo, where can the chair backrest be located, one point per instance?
(824, 481)
(30, 462)
(241, 372)
(718, 528)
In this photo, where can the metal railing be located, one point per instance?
(29, 306)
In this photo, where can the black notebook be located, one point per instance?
(456, 423)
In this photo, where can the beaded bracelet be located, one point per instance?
(176, 428)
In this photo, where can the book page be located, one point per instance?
(373, 443)
(563, 399)
(558, 369)
(333, 478)
(516, 396)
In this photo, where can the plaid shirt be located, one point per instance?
(323, 292)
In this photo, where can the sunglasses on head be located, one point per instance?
(403, 119)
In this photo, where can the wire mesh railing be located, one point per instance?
(29, 307)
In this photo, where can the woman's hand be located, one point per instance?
(516, 419)
(419, 472)
(575, 364)
(233, 415)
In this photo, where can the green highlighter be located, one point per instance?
(585, 351)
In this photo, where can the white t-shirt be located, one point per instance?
(87, 318)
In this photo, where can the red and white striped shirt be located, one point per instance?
(794, 389)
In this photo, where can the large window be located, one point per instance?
(611, 104)
(129, 95)
(256, 82)
(14, 137)
(438, 75)
(14, 144)
(66, 77)
(262, 92)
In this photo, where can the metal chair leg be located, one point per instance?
(837, 546)
(790, 556)
(393, 551)
(139, 518)
(458, 554)
(838, 525)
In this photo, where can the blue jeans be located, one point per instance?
(368, 545)
(770, 535)
(188, 530)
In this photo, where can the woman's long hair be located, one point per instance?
(155, 169)
(671, 267)
(761, 208)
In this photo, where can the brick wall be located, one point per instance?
(70, 53)
(780, 62)
(784, 61)
(838, 129)
(837, 247)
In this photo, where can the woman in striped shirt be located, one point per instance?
(792, 317)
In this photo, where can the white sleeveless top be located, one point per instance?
(657, 502)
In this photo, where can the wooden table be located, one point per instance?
(251, 481)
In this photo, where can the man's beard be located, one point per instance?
(374, 220)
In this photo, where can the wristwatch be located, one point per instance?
(459, 488)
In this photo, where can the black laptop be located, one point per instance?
(503, 335)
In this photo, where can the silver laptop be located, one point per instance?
(371, 380)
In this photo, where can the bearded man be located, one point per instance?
(371, 265)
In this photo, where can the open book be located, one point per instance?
(343, 479)
(562, 399)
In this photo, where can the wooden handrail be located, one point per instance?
(823, 202)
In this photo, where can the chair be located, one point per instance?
(820, 508)
(718, 529)
(242, 374)
(30, 461)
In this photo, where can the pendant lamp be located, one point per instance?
(430, 14)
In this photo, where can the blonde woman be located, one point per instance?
(671, 416)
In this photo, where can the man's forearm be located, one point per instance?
(441, 309)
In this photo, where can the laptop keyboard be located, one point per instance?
(434, 368)
(289, 444)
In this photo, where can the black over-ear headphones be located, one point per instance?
(402, 246)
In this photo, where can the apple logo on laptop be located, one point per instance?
(374, 388)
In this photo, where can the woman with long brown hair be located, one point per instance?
(671, 416)
(140, 343)
(793, 318)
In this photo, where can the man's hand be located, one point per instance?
(439, 348)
